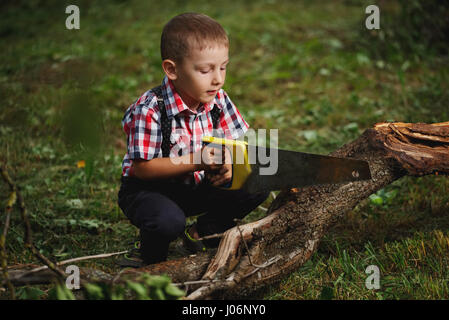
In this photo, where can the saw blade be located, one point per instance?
(299, 169)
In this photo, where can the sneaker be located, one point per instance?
(132, 258)
(191, 244)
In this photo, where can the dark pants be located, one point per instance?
(159, 209)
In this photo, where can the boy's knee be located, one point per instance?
(160, 216)
(173, 227)
(167, 226)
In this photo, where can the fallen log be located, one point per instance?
(254, 255)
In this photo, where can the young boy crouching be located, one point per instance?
(161, 183)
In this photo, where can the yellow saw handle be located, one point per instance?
(241, 168)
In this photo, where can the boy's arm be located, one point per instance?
(164, 168)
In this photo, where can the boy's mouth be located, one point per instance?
(212, 92)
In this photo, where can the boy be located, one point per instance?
(161, 182)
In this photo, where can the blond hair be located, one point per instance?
(189, 31)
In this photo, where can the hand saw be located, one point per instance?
(259, 169)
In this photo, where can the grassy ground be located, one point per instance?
(304, 68)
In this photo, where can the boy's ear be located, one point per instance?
(169, 67)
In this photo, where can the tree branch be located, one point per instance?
(298, 218)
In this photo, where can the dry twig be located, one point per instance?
(28, 234)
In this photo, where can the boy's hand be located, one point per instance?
(212, 159)
(221, 177)
(224, 174)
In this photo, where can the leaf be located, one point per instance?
(390, 195)
(94, 292)
(157, 294)
(118, 293)
(335, 43)
(29, 293)
(61, 255)
(174, 292)
(64, 294)
(156, 281)
(94, 224)
(380, 64)
(405, 66)
(139, 289)
(75, 204)
(12, 200)
(325, 72)
(351, 127)
(376, 200)
(60, 292)
(310, 135)
(362, 59)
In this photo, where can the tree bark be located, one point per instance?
(254, 255)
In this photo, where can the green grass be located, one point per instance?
(406, 237)
(300, 67)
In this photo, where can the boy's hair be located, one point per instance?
(190, 30)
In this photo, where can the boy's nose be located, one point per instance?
(218, 78)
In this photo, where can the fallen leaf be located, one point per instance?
(81, 164)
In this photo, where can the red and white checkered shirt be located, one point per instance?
(142, 125)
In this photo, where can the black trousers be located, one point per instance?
(159, 209)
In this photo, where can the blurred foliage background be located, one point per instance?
(308, 68)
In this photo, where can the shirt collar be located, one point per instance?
(174, 103)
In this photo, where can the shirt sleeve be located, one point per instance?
(145, 136)
(232, 124)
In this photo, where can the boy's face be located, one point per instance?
(201, 74)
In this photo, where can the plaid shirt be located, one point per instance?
(142, 125)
